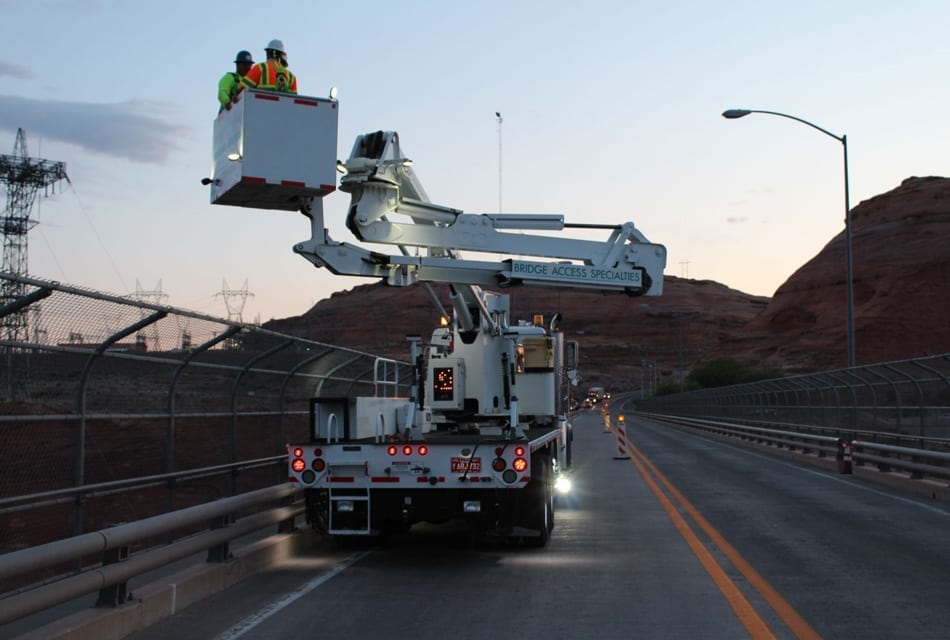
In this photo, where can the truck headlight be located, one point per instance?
(563, 485)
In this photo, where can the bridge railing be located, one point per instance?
(914, 463)
(118, 566)
(114, 409)
(900, 403)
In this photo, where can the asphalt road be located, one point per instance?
(685, 537)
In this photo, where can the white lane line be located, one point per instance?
(829, 476)
(261, 615)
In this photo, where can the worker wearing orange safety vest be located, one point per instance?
(273, 74)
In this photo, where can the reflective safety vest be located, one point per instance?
(272, 76)
(228, 87)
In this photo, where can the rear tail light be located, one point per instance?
(519, 464)
(298, 465)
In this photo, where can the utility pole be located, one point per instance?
(23, 177)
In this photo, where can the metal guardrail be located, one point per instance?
(896, 403)
(920, 463)
(71, 494)
(917, 463)
(114, 409)
(118, 566)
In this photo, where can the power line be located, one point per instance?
(83, 209)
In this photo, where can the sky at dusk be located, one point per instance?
(611, 114)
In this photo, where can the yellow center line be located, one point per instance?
(743, 609)
(795, 622)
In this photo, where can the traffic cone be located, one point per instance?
(620, 430)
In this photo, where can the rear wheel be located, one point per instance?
(540, 506)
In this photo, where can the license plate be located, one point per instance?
(461, 465)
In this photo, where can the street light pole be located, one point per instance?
(733, 114)
(500, 120)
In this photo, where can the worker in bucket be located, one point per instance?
(230, 87)
(273, 74)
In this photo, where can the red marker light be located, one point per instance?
(519, 451)
(407, 450)
(298, 465)
(499, 451)
(298, 452)
(423, 450)
(318, 452)
(392, 450)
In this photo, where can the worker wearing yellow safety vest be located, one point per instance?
(273, 74)
(230, 87)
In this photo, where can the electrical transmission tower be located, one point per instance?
(234, 300)
(23, 177)
(154, 296)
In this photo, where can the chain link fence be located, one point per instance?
(100, 393)
(904, 402)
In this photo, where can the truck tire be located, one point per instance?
(568, 446)
(540, 507)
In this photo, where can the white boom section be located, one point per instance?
(389, 206)
(382, 184)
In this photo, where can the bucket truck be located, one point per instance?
(484, 433)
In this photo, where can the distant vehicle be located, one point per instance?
(595, 395)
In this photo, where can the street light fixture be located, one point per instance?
(733, 114)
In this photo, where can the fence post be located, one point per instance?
(220, 552)
(114, 594)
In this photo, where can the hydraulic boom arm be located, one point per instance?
(382, 184)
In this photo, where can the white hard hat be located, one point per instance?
(276, 45)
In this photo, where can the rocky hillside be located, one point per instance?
(901, 263)
(901, 267)
(617, 334)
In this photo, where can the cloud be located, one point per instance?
(134, 130)
(15, 70)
